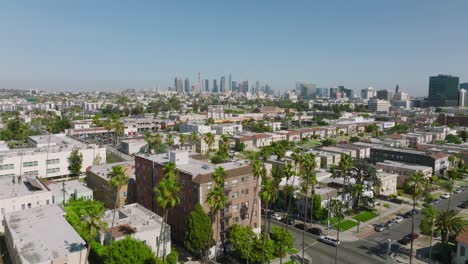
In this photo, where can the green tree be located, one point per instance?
(449, 224)
(282, 239)
(199, 236)
(216, 200)
(166, 196)
(118, 179)
(86, 218)
(416, 184)
(453, 139)
(328, 142)
(182, 139)
(209, 139)
(75, 161)
(241, 237)
(131, 251)
(355, 139)
(463, 134)
(239, 146)
(317, 207)
(170, 140)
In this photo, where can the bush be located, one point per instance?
(354, 139)
(172, 257)
(217, 159)
(239, 146)
(386, 205)
(400, 192)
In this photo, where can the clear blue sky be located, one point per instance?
(89, 45)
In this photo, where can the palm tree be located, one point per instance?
(118, 130)
(194, 138)
(288, 194)
(219, 175)
(117, 180)
(182, 139)
(449, 223)
(216, 200)
(430, 214)
(268, 194)
(92, 224)
(166, 196)
(209, 140)
(337, 206)
(170, 140)
(308, 167)
(452, 175)
(416, 183)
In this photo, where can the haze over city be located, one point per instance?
(110, 45)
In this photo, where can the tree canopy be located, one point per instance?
(199, 236)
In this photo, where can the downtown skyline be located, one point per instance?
(115, 45)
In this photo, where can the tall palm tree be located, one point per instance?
(308, 174)
(219, 175)
(209, 139)
(194, 138)
(170, 140)
(337, 207)
(430, 214)
(117, 180)
(449, 223)
(288, 194)
(167, 197)
(119, 129)
(182, 139)
(416, 182)
(216, 200)
(268, 194)
(92, 224)
(452, 175)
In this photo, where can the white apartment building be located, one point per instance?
(376, 105)
(388, 183)
(43, 235)
(227, 129)
(275, 126)
(403, 169)
(198, 127)
(48, 156)
(21, 193)
(69, 189)
(140, 223)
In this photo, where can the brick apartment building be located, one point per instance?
(195, 178)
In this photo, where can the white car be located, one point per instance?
(329, 240)
(398, 219)
(276, 216)
(445, 196)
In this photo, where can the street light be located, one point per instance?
(389, 248)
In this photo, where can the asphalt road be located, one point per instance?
(371, 249)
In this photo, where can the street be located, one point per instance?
(370, 249)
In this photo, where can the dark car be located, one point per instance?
(411, 213)
(315, 231)
(299, 226)
(288, 221)
(463, 205)
(408, 238)
(436, 201)
(380, 228)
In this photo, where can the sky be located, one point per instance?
(115, 44)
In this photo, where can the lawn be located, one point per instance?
(291, 262)
(292, 251)
(346, 224)
(333, 221)
(365, 216)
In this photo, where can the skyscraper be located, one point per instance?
(443, 90)
(230, 82)
(187, 85)
(306, 90)
(215, 86)
(234, 87)
(207, 85)
(384, 95)
(368, 93)
(464, 86)
(222, 84)
(178, 85)
(323, 92)
(257, 86)
(244, 87)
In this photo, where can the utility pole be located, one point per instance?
(63, 191)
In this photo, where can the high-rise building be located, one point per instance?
(215, 86)
(230, 82)
(334, 92)
(462, 98)
(207, 85)
(464, 86)
(245, 87)
(376, 105)
(346, 92)
(306, 90)
(368, 93)
(187, 85)
(443, 90)
(257, 86)
(234, 87)
(222, 84)
(323, 92)
(178, 85)
(384, 95)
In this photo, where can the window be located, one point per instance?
(209, 185)
(3, 211)
(124, 194)
(234, 182)
(29, 205)
(23, 206)
(53, 170)
(31, 173)
(462, 251)
(30, 163)
(236, 220)
(47, 202)
(53, 161)
(246, 191)
(235, 207)
(234, 195)
(7, 167)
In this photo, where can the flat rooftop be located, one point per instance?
(404, 165)
(14, 186)
(42, 234)
(103, 170)
(132, 218)
(196, 167)
(70, 187)
(374, 146)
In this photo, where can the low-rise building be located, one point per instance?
(388, 183)
(69, 189)
(132, 146)
(404, 170)
(139, 223)
(43, 235)
(97, 179)
(227, 129)
(461, 256)
(21, 193)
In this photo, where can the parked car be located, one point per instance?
(389, 223)
(408, 238)
(463, 205)
(459, 190)
(436, 201)
(299, 226)
(380, 228)
(398, 219)
(288, 221)
(445, 196)
(276, 216)
(329, 240)
(315, 231)
(411, 213)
